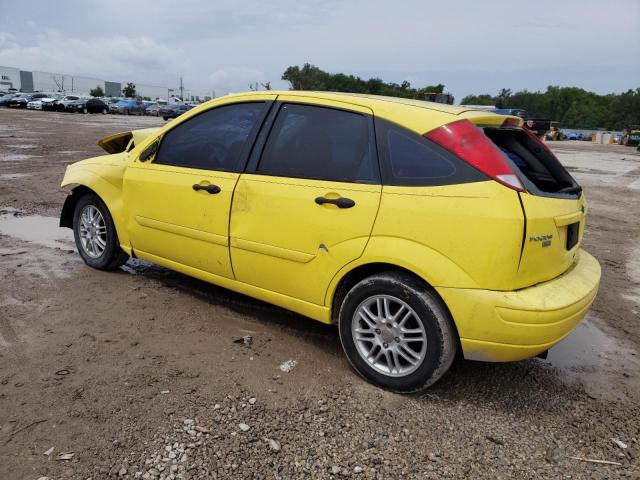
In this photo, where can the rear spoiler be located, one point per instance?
(119, 142)
(488, 119)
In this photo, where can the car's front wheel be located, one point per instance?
(397, 332)
(95, 234)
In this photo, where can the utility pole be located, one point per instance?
(181, 90)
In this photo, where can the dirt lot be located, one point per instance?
(137, 372)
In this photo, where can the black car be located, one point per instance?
(95, 105)
(76, 106)
(6, 98)
(91, 105)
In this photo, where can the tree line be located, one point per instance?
(310, 77)
(571, 106)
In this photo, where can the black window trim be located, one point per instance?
(267, 127)
(246, 150)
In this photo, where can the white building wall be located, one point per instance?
(58, 82)
(9, 78)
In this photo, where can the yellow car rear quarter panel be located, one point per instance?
(464, 236)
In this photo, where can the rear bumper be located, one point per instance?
(506, 326)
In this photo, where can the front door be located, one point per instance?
(178, 203)
(309, 207)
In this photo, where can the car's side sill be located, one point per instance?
(317, 312)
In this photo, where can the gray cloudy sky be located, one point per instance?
(471, 46)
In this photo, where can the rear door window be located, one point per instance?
(320, 143)
(213, 140)
(412, 160)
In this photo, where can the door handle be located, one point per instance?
(341, 202)
(207, 188)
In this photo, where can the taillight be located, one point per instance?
(462, 138)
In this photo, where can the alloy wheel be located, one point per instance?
(389, 335)
(93, 231)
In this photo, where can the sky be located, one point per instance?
(220, 46)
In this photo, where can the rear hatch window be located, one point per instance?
(553, 206)
(541, 172)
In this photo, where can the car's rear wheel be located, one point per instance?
(397, 332)
(95, 234)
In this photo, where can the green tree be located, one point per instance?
(503, 97)
(129, 90)
(310, 77)
(571, 106)
(97, 92)
(483, 99)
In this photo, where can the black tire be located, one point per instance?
(165, 118)
(112, 256)
(441, 335)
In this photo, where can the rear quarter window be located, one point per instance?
(410, 159)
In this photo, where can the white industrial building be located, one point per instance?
(12, 78)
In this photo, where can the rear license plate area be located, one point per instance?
(572, 235)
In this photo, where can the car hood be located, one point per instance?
(118, 142)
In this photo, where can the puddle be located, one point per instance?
(13, 157)
(607, 367)
(13, 176)
(37, 229)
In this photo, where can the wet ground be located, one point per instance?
(107, 365)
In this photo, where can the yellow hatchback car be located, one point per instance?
(419, 229)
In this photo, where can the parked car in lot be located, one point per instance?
(127, 107)
(21, 100)
(6, 99)
(96, 105)
(173, 111)
(568, 135)
(37, 103)
(60, 105)
(76, 106)
(88, 105)
(447, 229)
(151, 108)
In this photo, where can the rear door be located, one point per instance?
(309, 203)
(178, 203)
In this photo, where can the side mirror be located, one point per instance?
(149, 152)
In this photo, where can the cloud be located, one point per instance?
(117, 58)
(469, 45)
(228, 79)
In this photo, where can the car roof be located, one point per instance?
(417, 115)
(363, 99)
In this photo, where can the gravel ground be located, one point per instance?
(142, 373)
